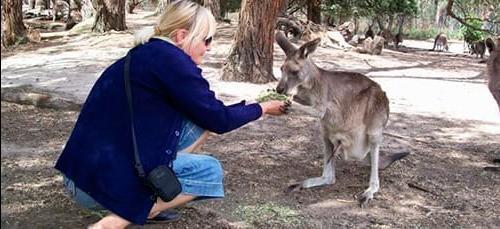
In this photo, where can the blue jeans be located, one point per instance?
(200, 175)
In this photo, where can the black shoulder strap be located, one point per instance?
(128, 90)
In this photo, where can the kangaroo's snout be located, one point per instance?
(280, 89)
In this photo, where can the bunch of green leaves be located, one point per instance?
(472, 34)
(370, 7)
(271, 94)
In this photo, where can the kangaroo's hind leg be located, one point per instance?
(328, 176)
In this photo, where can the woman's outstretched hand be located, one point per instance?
(274, 107)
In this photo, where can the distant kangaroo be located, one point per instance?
(353, 111)
(398, 39)
(440, 42)
(478, 48)
(493, 69)
(370, 46)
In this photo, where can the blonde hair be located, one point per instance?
(181, 14)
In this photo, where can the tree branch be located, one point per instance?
(449, 10)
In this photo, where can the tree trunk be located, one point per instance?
(390, 23)
(314, 11)
(87, 10)
(161, 6)
(251, 57)
(110, 15)
(42, 4)
(380, 23)
(401, 22)
(132, 4)
(76, 4)
(13, 26)
(214, 7)
(32, 4)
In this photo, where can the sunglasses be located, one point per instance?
(208, 41)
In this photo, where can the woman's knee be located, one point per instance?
(212, 167)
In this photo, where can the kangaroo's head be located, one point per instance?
(297, 70)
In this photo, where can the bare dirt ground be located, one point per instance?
(441, 111)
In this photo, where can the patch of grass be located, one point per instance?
(269, 214)
(271, 94)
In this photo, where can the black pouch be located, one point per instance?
(164, 183)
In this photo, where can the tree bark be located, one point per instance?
(12, 15)
(31, 4)
(110, 15)
(449, 11)
(314, 11)
(214, 7)
(161, 6)
(251, 57)
(87, 9)
(42, 4)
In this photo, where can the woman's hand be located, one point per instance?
(274, 107)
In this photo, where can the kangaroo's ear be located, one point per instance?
(283, 42)
(308, 48)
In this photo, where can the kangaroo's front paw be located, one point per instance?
(364, 198)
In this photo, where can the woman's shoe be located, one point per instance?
(166, 216)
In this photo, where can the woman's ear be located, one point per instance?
(180, 36)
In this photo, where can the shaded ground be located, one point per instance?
(441, 111)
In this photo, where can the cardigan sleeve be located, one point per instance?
(190, 93)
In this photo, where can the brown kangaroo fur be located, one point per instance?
(493, 69)
(440, 42)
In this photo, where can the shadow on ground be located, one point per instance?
(441, 184)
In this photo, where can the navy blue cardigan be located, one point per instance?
(166, 85)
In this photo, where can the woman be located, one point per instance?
(174, 109)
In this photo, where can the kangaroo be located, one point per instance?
(478, 48)
(493, 69)
(440, 43)
(33, 35)
(373, 47)
(398, 39)
(353, 111)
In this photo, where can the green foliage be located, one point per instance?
(430, 33)
(230, 5)
(472, 34)
(370, 8)
(271, 94)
